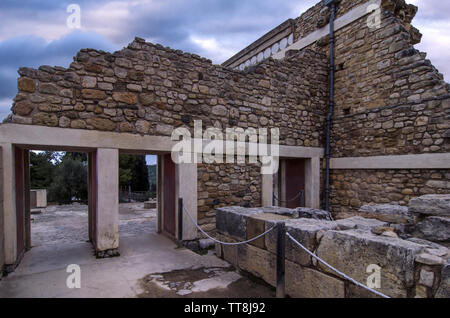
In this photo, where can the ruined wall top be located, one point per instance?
(149, 89)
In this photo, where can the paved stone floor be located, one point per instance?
(150, 265)
(69, 223)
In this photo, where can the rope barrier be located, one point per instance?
(225, 243)
(291, 200)
(334, 269)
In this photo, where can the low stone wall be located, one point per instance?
(407, 268)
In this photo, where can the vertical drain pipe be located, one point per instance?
(332, 5)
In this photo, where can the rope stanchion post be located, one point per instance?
(281, 253)
(180, 219)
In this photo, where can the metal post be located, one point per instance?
(180, 219)
(281, 251)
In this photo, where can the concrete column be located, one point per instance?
(187, 190)
(107, 216)
(267, 190)
(312, 183)
(8, 208)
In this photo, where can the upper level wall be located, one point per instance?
(389, 98)
(148, 89)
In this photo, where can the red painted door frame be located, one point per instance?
(92, 199)
(19, 167)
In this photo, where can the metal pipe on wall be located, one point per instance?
(332, 5)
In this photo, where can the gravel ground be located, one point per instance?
(69, 223)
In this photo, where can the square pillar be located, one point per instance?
(267, 190)
(312, 183)
(8, 206)
(107, 202)
(187, 190)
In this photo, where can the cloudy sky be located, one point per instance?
(35, 32)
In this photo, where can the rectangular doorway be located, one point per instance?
(289, 183)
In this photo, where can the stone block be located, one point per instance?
(304, 231)
(353, 251)
(359, 223)
(150, 205)
(233, 220)
(434, 228)
(432, 204)
(387, 213)
(258, 262)
(256, 225)
(309, 213)
(302, 282)
(443, 290)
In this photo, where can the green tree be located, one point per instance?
(133, 172)
(70, 180)
(42, 169)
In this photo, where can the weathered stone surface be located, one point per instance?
(358, 222)
(432, 204)
(93, 94)
(443, 290)
(164, 130)
(102, 124)
(313, 214)
(233, 220)
(429, 259)
(257, 261)
(89, 82)
(48, 88)
(23, 108)
(147, 99)
(304, 231)
(257, 224)
(142, 126)
(387, 213)
(280, 211)
(426, 278)
(302, 282)
(353, 251)
(26, 84)
(125, 97)
(434, 228)
(45, 119)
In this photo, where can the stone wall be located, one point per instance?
(390, 100)
(150, 90)
(352, 189)
(222, 185)
(407, 268)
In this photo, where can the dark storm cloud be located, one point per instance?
(31, 51)
(34, 32)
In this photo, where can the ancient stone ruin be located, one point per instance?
(389, 145)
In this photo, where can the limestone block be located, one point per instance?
(432, 204)
(304, 231)
(387, 213)
(257, 261)
(309, 213)
(444, 287)
(302, 282)
(360, 223)
(150, 205)
(353, 251)
(233, 220)
(434, 228)
(259, 223)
